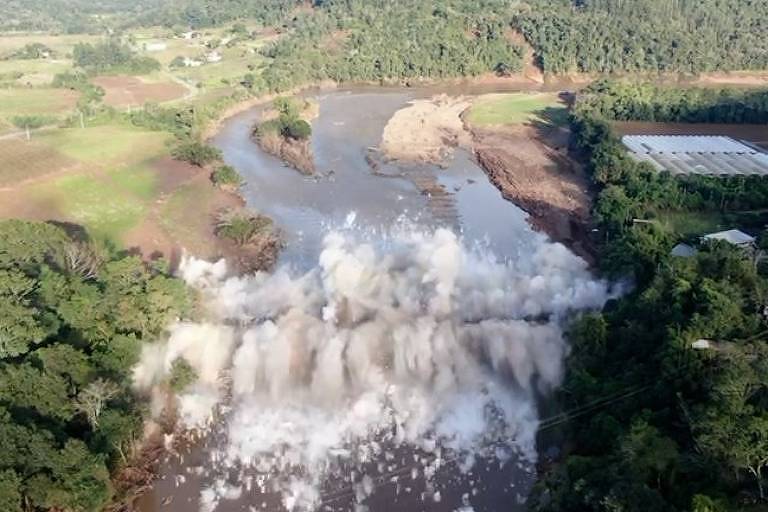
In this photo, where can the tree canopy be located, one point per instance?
(72, 321)
(678, 428)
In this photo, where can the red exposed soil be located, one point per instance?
(123, 91)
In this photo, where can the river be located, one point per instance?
(348, 194)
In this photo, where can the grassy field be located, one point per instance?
(517, 108)
(106, 210)
(48, 102)
(22, 160)
(61, 44)
(101, 177)
(34, 72)
(107, 146)
(116, 180)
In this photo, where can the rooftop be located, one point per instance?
(698, 154)
(733, 236)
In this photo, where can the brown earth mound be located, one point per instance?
(426, 130)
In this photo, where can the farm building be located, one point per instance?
(732, 236)
(698, 154)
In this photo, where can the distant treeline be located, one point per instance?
(676, 428)
(638, 101)
(360, 40)
(399, 39)
(647, 35)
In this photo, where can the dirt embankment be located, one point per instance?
(531, 167)
(529, 163)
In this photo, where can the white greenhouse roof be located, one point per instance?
(733, 236)
(697, 154)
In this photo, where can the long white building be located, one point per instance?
(698, 154)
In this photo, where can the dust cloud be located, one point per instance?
(413, 340)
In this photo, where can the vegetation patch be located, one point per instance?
(111, 56)
(22, 160)
(518, 108)
(243, 226)
(73, 319)
(108, 213)
(286, 133)
(38, 102)
(226, 177)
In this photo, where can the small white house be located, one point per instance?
(213, 57)
(192, 63)
(156, 46)
(732, 236)
(192, 34)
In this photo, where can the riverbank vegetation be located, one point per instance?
(657, 425)
(73, 318)
(285, 132)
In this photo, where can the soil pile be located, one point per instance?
(426, 131)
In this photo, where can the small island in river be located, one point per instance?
(285, 132)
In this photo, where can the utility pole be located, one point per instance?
(29, 135)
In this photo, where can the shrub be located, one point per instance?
(32, 122)
(226, 176)
(196, 152)
(182, 375)
(297, 129)
(242, 226)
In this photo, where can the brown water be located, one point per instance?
(345, 134)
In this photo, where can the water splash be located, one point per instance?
(411, 341)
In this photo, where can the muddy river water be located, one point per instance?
(350, 191)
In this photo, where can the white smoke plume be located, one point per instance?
(414, 340)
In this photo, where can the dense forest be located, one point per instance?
(666, 427)
(372, 39)
(73, 317)
(647, 35)
(359, 40)
(111, 56)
